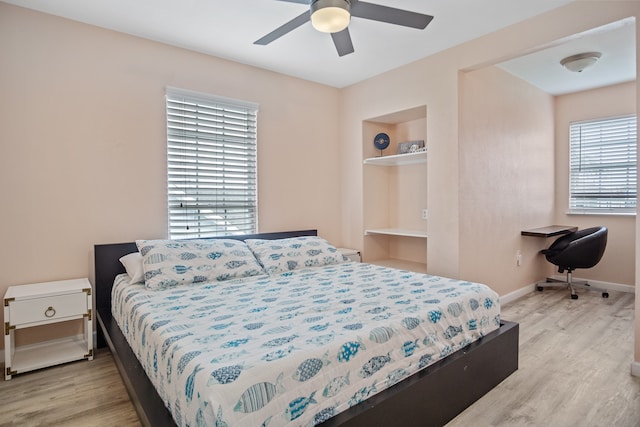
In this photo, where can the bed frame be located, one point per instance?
(431, 397)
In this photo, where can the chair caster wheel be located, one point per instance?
(539, 288)
(574, 296)
(605, 295)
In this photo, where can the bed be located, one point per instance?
(413, 389)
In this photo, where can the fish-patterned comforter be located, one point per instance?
(299, 347)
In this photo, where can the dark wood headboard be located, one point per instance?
(108, 265)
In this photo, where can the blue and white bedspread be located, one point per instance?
(299, 347)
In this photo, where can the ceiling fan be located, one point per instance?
(333, 16)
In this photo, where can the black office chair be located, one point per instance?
(580, 249)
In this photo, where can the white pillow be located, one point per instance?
(133, 264)
(282, 255)
(169, 263)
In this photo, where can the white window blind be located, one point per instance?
(211, 165)
(603, 165)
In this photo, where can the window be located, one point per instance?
(211, 165)
(603, 165)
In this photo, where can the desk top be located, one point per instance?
(550, 231)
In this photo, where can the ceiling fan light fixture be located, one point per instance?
(578, 63)
(330, 16)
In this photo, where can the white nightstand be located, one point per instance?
(352, 254)
(42, 304)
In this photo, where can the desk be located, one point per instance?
(549, 231)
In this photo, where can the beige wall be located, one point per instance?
(428, 82)
(83, 151)
(506, 177)
(618, 261)
(433, 82)
(617, 265)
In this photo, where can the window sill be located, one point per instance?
(598, 213)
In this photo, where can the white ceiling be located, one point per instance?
(617, 64)
(228, 28)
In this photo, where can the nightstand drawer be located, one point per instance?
(50, 308)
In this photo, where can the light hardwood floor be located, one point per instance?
(574, 365)
(574, 368)
(78, 394)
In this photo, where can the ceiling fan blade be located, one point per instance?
(342, 40)
(284, 29)
(389, 15)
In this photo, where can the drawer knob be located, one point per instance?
(50, 312)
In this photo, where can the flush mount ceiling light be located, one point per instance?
(578, 63)
(330, 16)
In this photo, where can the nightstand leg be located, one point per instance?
(88, 330)
(9, 342)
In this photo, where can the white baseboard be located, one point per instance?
(519, 293)
(599, 284)
(635, 369)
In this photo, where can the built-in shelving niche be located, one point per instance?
(395, 192)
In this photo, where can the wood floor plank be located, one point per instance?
(83, 394)
(574, 367)
(575, 358)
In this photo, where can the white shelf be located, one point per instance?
(398, 159)
(49, 353)
(396, 232)
(401, 264)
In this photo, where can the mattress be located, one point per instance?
(298, 347)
